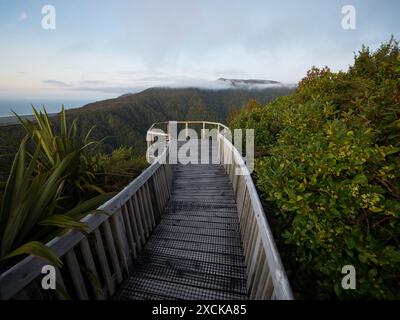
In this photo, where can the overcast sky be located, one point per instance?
(104, 48)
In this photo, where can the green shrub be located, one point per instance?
(31, 211)
(50, 187)
(56, 178)
(119, 168)
(328, 169)
(55, 146)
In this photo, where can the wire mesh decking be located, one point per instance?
(195, 252)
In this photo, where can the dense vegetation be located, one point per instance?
(54, 171)
(56, 178)
(328, 169)
(125, 120)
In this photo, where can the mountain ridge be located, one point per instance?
(124, 120)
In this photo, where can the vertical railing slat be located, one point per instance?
(153, 195)
(76, 275)
(101, 255)
(268, 288)
(139, 208)
(162, 189)
(149, 204)
(91, 267)
(158, 192)
(143, 203)
(165, 182)
(134, 213)
(262, 281)
(257, 269)
(119, 232)
(131, 227)
(61, 293)
(112, 250)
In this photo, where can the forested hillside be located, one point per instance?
(125, 120)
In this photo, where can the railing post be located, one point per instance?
(101, 255)
(203, 134)
(76, 275)
(91, 267)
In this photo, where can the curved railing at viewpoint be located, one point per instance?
(266, 275)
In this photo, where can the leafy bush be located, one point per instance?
(55, 147)
(119, 168)
(31, 207)
(328, 169)
(48, 190)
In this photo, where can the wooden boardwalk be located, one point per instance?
(195, 252)
(195, 231)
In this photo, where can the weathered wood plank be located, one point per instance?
(101, 255)
(76, 275)
(149, 203)
(112, 251)
(138, 223)
(139, 206)
(130, 230)
(91, 267)
(120, 235)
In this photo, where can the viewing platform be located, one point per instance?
(178, 231)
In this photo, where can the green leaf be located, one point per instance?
(337, 289)
(63, 221)
(37, 249)
(90, 204)
(360, 179)
(392, 151)
(362, 258)
(350, 243)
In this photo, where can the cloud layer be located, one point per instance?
(109, 47)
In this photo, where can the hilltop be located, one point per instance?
(125, 119)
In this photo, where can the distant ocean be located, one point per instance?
(23, 106)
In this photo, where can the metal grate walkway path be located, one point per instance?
(196, 231)
(195, 252)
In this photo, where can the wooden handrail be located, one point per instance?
(118, 232)
(266, 275)
(154, 125)
(263, 260)
(114, 242)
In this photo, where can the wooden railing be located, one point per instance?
(266, 276)
(95, 264)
